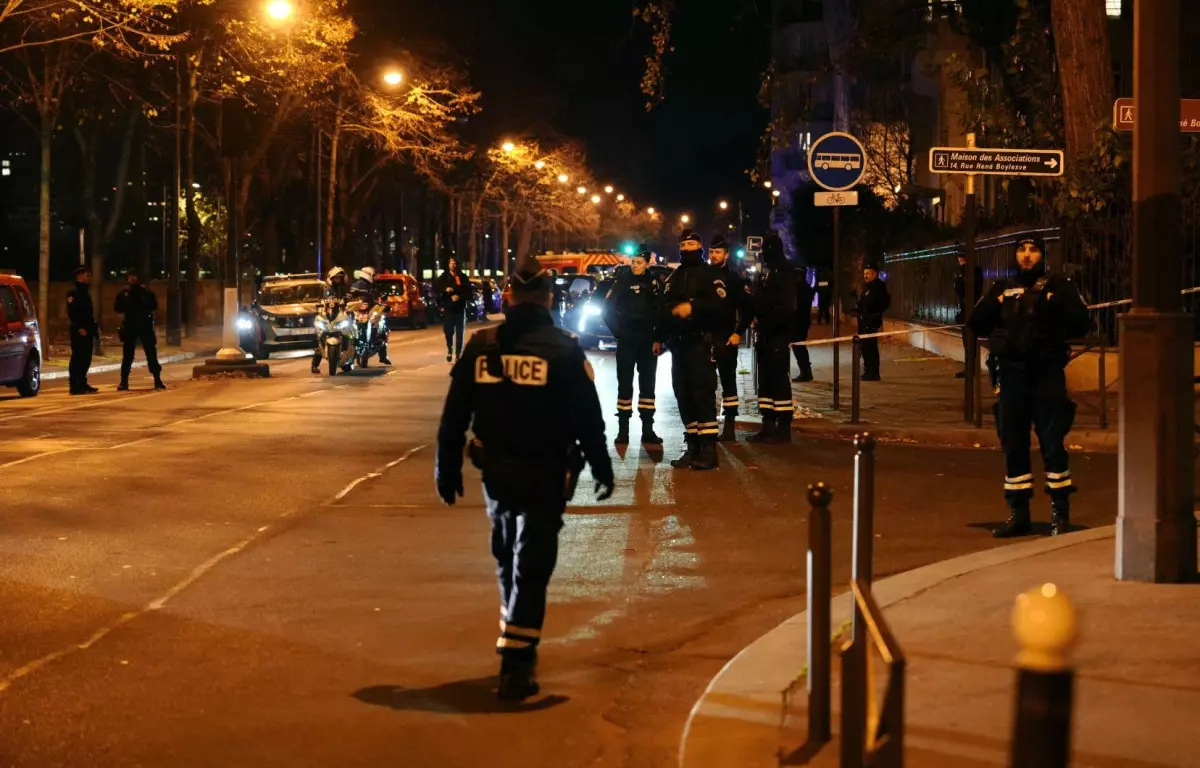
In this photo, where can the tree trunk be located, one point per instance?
(331, 191)
(505, 231)
(193, 218)
(141, 220)
(524, 237)
(1085, 70)
(474, 247)
(47, 137)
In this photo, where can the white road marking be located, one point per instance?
(372, 475)
(35, 456)
(66, 409)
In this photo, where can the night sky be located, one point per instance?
(573, 69)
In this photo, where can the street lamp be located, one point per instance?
(767, 183)
(393, 77)
(540, 164)
(280, 10)
(563, 178)
(724, 206)
(685, 218)
(650, 210)
(508, 147)
(596, 199)
(775, 193)
(581, 190)
(620, 198)
(608, 189)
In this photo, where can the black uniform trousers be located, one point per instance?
(694, 380)
(1038, 399)
(869, 349)
(82, 347)
(145, 336)
(801, 352)
(635, 352)
(726, 356)
(775, 381)
(525, 546)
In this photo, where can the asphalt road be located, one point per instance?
(259, 573)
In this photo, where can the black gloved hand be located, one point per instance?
(449, 488)
(604, 489)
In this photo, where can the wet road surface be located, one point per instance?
(260, 573)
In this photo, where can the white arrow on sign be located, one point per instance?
(1052, 163)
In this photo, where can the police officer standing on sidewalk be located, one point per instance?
(138, 304)
(733, 322)
(84, 331)
(695, 300)
(1028, 321)
(872, 303)
(774, 316)
(507, 380)
(803, 324)
(631, 312)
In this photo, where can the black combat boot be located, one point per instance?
(782, 434)
(518, 678)
(1060, 516)
(158, 382)
(763, 435)
(806, 374)
(705, 456)
(685, 461)
(622, 430)
(648, 436)
(383, 358)
(124, 385)
(1017, 523)
(729, 428)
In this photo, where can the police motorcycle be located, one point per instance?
(337, 334)
(371, 329)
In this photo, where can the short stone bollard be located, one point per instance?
(1044, 624)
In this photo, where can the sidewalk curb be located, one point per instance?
(737, 720)
(110, 367)
(1090, 441)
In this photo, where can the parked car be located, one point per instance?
(405, 300)
(282, 315)
(20, 342)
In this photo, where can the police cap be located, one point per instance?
(718, 243)
(689, 236)
(1035, 240)
(82, 269)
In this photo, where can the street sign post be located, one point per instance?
(996, 162)
(837, 163)
(1125, 115)
(835, 199)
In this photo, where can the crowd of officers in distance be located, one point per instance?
(702, 314)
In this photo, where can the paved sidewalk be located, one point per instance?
(1137, 663)
(205, 343)
(918, 401)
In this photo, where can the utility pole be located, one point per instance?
(174, 310)
(1156, 524)
(970, 345)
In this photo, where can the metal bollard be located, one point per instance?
(864, 507)
(819, 589)
(855, 379)
(1044, 624)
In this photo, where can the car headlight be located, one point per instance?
(591, 310)
(245, 324)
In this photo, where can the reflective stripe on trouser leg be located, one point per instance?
(729, 405)
(534, 553)
(766, 404)
(1019, 487)
(708, 428)
(625, 406)
(1059, 484)
(646, 406)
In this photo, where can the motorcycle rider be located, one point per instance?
(336, 289)
(364, 289)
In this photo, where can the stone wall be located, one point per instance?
(208, 299)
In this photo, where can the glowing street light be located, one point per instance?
(724, 206)
(508, 147)
(563, 178)
(775, 193)
(596, 199)
(650, 210)
(608, 189)
(280, 10)
(393, 77)
(540, 164)
(581, 190)
(620, 198)
(685, 218)
(767, 183)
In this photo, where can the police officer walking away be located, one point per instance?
(872, 303)
(454, 294)
(775, 315)
(1028, 321)
(84, 330)
(803, 324)
(695, 299)
(733, 322)
(138, 304)
(631, 311)
(509, 378)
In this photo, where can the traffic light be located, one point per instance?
(741, 253)
(629, 249)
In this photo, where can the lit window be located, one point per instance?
(1113, 7)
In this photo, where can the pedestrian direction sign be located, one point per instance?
(996, 162)
(837, 161)
(1125, 115)
(754, 244)
(835, 199)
